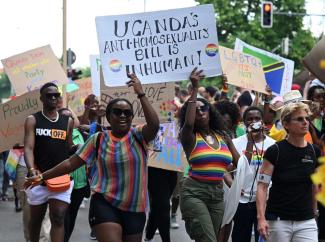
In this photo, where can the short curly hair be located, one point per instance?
(216, 122)
(230, 108)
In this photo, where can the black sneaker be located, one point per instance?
(92, 235)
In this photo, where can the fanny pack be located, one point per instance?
(58, 184)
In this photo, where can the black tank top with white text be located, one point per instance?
(51, 141)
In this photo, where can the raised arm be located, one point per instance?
(29, 143)
(151, 127)
(187, 136)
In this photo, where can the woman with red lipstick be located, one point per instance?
(209, 152)
(118, 160)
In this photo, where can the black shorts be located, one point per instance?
(101, 211)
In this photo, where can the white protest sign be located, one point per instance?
(32, 69)
(242, 70)
(12, 118)
(95, 74)
(278, 70)
(161, 46)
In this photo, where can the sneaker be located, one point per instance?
(173, 223)
(83, 204)
(148, 240)
(92, 235)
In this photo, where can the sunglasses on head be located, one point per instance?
(118, 112)
(204, 108)
(51, 95)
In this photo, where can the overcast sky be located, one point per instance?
(34, 23)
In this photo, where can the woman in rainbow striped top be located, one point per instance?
(209, 151)
(119, 160)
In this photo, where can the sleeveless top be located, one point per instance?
(51, 141)
(206, 163)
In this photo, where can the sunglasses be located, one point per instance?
(118, 112)
(204, 108)
(301, 119)
(51, 95)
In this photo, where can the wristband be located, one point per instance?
(141, 95)
(31, 169)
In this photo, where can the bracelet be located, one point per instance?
(31, 169)
(248, 152)
(141, 95)
(191, 101)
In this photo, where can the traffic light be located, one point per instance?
(267, 15)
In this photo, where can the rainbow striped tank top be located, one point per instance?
(206, 163)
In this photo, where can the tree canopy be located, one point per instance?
(241, 19)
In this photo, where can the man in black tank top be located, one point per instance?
(48, 139)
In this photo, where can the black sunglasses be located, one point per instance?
(301, 119)
(51, 95)
(204, 108)
(118, 112)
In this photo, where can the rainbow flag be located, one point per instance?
(12, 162)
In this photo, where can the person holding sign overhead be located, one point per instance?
(119, 158)
(209, 151)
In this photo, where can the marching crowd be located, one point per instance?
(250, 157)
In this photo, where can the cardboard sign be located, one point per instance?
(242, 70)
(30, 70)
(278, 71)
(315, 60)
(12, 118)
(160, 95)
(161, 46)
(75, 99)
(172, 156)
(95, 74)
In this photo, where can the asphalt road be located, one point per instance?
(11, 229)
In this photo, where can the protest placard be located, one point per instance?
(160, 95)
(242, 70)
(315, 60)
(172, 156)
(30, 70)
(278, 70)
(161, 46)
(12, 118)
(94, 70)
(76, 98)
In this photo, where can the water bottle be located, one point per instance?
(157, 144)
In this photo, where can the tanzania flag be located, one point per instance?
(278, 70)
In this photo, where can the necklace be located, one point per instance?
(53, 121)
(210, 139)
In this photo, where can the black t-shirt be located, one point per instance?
(290, 196)
(51, 141)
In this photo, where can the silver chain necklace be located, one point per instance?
(53, 121)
